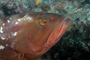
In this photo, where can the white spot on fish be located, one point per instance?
(3, 24)
(26, 17)
(14, 34)
(6, 44)
(2, 47)
(8, 21)
(1, 29)
(16, 23)
(2, 38)
(19, 19)
(29, 18)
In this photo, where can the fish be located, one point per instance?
(29, 36)
(38, 2)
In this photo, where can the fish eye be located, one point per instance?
(42, 22)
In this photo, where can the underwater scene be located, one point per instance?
(44, 29)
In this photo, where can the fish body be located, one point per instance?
(29, 36)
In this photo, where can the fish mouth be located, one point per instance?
(58, 31)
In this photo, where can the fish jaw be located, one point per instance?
(58, 32)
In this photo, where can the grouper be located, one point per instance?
(29, 36)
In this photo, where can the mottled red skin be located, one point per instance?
(23, 38)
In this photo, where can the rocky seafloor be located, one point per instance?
(75, 43)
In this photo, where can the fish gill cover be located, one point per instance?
(75, 44)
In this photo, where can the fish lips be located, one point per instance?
(58, 31)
